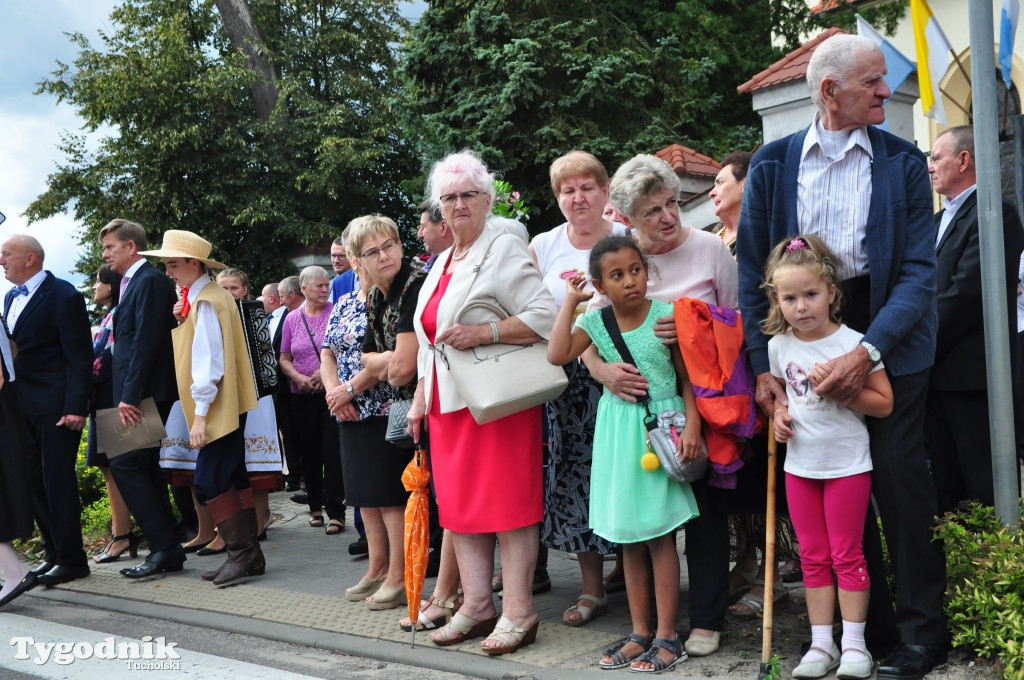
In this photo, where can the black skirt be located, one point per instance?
(371, 465)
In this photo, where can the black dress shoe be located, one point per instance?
(63, 574)
(292, 486)
(911, 662)
(163, 561)
(301, 498)
(26, 584)
(43, 568)
(359, 547)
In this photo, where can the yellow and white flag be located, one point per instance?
(933, 57)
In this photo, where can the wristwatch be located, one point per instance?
(348, 387)
(873, 354)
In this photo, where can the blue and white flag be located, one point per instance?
(1007, 32)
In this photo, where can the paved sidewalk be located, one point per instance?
(301, 599)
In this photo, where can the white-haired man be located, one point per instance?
(866, 193)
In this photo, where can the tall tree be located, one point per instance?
(173, 140)
(525, 82)
(244, 35)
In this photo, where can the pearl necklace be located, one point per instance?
(456, 258)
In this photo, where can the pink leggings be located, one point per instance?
(828, 515)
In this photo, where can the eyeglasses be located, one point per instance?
(335, 256)
(466, 196)
(374, 253)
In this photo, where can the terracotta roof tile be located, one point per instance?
(790, 67)
(686, 161)
(827, 6)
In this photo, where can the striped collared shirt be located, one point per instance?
(835, 193)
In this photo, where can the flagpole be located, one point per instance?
(955, 103)
(993, 278)
(960, 66)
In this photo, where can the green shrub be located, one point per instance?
(91, 487)
(985, 586)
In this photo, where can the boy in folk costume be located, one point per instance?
(216, 388)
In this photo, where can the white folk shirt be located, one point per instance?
(834, 193)
(207, 350)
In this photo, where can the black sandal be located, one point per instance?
(334, 527)
(619, 659)
(659, 665)
(316, 520)
(108, 556)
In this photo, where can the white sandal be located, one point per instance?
(597, 606)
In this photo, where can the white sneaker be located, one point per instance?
(820, 667)
(855, 665)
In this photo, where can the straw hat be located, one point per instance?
(185, 244)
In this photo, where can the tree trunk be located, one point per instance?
(245, 36)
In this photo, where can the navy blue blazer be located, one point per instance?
(54, 362)
(900, 245)
(143, 353)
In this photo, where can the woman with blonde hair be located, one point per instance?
(370, 362)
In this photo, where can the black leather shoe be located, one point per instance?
(293, 486)
(301, 498)
(26, 584)
(43, 568)
(359, 547)
(63, 574)
(911, 662)
(163, 561)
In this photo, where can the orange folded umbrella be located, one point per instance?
(417, 532)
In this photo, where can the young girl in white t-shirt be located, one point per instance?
(828, 461)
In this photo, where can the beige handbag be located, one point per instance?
(500, 379)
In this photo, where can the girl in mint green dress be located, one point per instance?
(636, 507)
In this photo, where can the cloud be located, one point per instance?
(32, 125)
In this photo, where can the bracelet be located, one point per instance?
(777, 411)
(494, 332)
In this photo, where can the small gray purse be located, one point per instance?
(398, 424)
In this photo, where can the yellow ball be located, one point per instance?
(650, 462)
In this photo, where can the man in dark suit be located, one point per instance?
(957, 429)
(50, 327)
(291, 298)
(143, 368)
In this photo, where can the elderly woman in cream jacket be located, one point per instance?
(487, 477)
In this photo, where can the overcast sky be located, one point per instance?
(31, 125)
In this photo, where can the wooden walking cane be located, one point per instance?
(769, 561)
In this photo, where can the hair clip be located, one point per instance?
(796, 244)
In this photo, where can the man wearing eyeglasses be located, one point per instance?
(345, 281)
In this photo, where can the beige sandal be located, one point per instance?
(597, 606)
(751, 606)
(462, 628)
(423, 623)
(511, 637)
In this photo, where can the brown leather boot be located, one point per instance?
(248, 502)
(221, 508)
(244, 555)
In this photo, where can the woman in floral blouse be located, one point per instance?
(373, 320)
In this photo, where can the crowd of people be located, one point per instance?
(844, 312)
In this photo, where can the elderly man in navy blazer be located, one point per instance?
(143, 368)
(865, 193)
(50, 327)
(957, 421)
